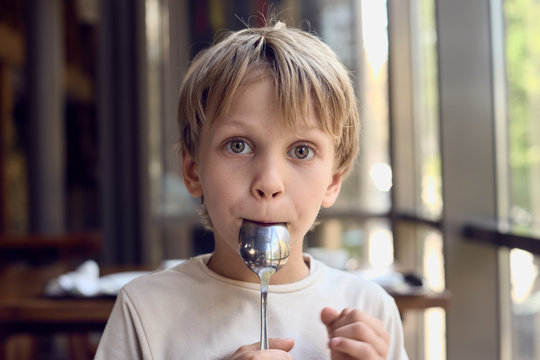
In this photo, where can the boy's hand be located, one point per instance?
(278, 349)
(355, 335)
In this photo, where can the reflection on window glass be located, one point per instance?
(375, 156)
(525, 281)
(523, 73)
(427, 174)
(153, 59)
(522, 54)
(353, 244)
(425, 107)
(422, 254)
(435, 318)
(358, 32)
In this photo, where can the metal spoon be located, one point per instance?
(264, 249)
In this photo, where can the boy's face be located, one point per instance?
(252, 166)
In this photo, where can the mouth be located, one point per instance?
(265, 223)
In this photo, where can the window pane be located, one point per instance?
(421, 253)
(524, 269)
(523, 74)
(358, 32)
(522, 55)
(415, 109)
(353, 244)
(373, 89)
(425, 107)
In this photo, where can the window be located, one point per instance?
(522, 52)
(522, 60)
(416, 164)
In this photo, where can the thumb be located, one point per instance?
(281, 344)
(328, 316)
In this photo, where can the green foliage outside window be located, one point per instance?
(523, 76)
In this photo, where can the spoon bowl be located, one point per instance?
(263, 246)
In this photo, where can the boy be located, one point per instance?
(269, 129)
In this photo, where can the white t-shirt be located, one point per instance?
(190, 312)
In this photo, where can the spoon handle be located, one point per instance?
(264, 276)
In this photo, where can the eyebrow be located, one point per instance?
(232, 122)
(299, 126)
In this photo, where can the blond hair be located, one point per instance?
(303, 69)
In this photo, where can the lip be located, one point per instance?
(266, 223)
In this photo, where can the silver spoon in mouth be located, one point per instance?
(264, 249)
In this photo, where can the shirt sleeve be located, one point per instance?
(395, 328)
(123, 337)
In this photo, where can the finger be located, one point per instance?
(278, 349)
(328, 316)
(246, 349)
(354, 349)
(362, 332)
(334, 319)
(280, 344)
(349, 316)
(271, 354)
(375, 324)
(273, 343)
(357, 325)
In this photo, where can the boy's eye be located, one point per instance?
(302, 152)
(238, 146)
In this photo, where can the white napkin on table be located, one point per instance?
(86, 282)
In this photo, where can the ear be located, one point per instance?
(191, 176)
(332, 191)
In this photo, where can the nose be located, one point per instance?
(268, 180)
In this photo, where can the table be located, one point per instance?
(23, 308)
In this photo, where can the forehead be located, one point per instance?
(259, 91)
(259, 96)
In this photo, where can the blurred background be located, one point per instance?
(446, 186)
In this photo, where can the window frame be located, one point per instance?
(469, 176)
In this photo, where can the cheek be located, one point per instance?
(216, 192)
(214, 176)
(309, 195)
(312, 184)
(221, 190)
